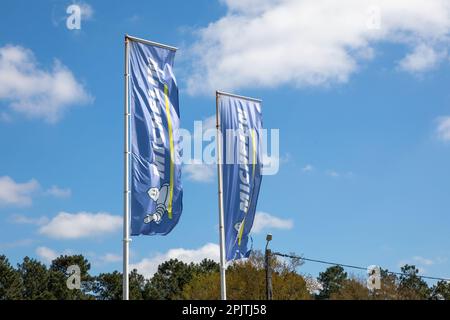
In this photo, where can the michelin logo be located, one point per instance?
(161, 197)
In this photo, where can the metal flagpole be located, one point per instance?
(126, 204)
(152, 43)
(223, 286)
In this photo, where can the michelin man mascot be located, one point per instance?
(161, 197)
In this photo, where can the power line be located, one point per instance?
(354, 267)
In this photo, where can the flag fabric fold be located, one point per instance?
(156, 190)
(240, 129)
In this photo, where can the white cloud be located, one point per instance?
(308, 168)
(148, 266)
(80, 225)
(336, 174)
(46, 254)
(110, 257)
(264, 220)
(135, 18)
(443, 129)
(21, 219)
(17, 194)
(423, 58)
(209, 123)
(333, 173)
(309, 42)
(16, 243)
(423, 261)
(286, 158)
(87, 12)
(5, 117)
(58, 192)
(35, 92)
(200, 172)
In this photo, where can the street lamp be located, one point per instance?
(268, 270)
(268, 239)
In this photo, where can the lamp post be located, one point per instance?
(268, 270)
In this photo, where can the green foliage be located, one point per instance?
(58, 277)
(108, 286)
(351, 289)
(389, 287)
(441, 290)
(332, 279)
(205, 266)
(246, 280)
(412, 287)
(11, 285)
(168, 282)
(35, 277)
(174, 279)
(137, 285)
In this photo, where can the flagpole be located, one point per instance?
(126, 204)
(223, 286)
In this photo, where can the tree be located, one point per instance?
(11, 285)
(246, 280)
(332, 280)
(411, 286)
(388, 287)
(137, 285)
(203, 287)
(35, 278)
(108, 286)
(351, 289)
(441, 290)
(58, 276)
(168, 282)
(205, 266)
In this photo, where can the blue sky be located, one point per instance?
(363, 110)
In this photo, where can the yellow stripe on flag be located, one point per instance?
(169, 125)
(241, 227)
(254, 152)
(241, 231)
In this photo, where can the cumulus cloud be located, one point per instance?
(209, 123)
(265, 220)
(423, 58)
(333, 173)
(311, 43)
(58, 192)
(34, 92)
(423, 261)
(443, 129)
(200, 172)
(5, 117)
(81, 225)
(336, 174)
(46, 254)
(110, 258)
(16, 244)
(420, 262)
(87, 12)
(196, 169)
(15, 193)
(148, 266)
(21, 219)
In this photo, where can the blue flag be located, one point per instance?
(240, 125)
(156, 191)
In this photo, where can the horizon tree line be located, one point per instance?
(177, 280)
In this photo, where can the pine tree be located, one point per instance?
(11, 286)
